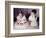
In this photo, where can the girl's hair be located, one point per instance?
(34, 11)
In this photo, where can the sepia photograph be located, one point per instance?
(26, 18)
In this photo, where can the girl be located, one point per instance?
(32, 19)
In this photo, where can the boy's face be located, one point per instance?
(20, 14)
(22, 20)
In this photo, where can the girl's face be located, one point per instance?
(32, 13)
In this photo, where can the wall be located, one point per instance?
(2, 19)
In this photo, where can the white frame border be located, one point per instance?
(27, 31)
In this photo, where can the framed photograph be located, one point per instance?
(24, 18)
